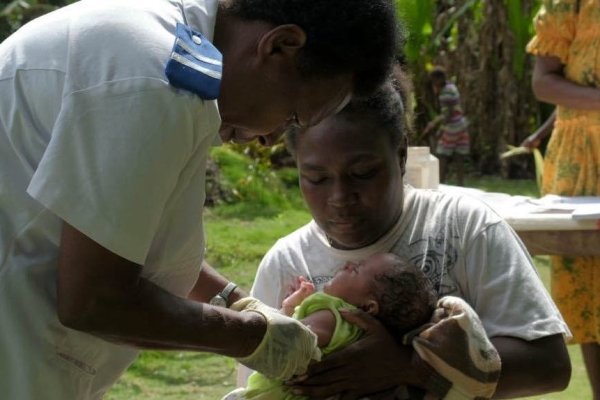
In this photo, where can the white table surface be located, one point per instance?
(549, 213)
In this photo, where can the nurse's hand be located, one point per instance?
(343, 372)
(287, 347)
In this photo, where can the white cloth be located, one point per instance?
(91, 133)
(463, 246)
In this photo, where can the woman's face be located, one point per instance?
(351, 179)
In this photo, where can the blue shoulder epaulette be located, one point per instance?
(195, 64)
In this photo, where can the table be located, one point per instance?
(551, 225)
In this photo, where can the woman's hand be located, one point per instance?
(345, 373)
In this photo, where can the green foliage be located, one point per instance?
(482, 45)
(14, 14)
(425, 40)
(417, 17)
(256, 189)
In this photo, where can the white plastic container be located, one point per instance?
(422, 168)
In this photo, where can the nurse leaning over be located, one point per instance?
(107, 111)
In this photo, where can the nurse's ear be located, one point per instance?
(278, 48)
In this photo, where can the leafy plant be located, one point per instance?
(253, 187)
(481, 43)
(15, 13)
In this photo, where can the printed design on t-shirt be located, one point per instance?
(320, 280)
(436, 256)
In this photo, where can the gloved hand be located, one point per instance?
(287, 347)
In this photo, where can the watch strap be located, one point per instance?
(226, 292)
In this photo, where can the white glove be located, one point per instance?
(287, 347)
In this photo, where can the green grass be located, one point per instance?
(235, 246)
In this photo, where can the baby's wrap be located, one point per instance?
(456, 346)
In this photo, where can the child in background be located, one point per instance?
(383, 285)
(453, 142)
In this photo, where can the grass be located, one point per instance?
(235, 246)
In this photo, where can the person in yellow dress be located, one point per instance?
(567, 74)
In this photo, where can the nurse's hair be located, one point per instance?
(384, 111)
(343, 36)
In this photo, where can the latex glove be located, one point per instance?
(287, 347)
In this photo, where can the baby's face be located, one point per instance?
(353, 282)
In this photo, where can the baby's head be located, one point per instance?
(387, 287)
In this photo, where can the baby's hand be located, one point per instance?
(305, 289)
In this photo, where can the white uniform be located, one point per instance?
(464, 247)
(92, 133)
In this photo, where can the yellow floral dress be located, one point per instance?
(570, 30)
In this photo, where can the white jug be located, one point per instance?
(422, 168)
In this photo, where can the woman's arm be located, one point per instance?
(551, 86)
(532, 367)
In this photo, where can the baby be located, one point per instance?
(385, 286)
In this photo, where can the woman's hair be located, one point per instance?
(406, 298)
(385, 110)
(353, 36)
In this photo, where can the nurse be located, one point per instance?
(107, 111)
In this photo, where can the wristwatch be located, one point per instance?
(221, 298)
